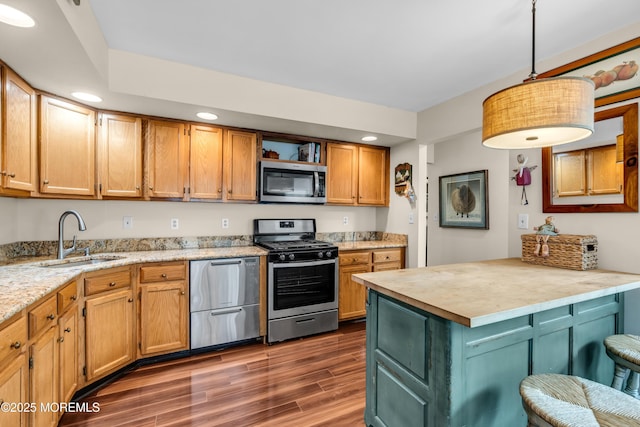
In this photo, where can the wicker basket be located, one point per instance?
(572, 251)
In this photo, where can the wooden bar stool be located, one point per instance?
(567, 401)
(624, 349)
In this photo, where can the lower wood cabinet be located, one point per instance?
(109, 322)
(353, 296)
(163, 325)
(14, 371)
(44, 378)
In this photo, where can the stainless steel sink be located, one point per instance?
(75, 262)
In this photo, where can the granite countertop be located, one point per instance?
(24, 283)
(480, 293)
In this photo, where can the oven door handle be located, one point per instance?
(302, 264)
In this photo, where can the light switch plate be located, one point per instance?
(523, 221)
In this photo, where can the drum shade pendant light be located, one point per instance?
(538, 113)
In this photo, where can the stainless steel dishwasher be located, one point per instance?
(224, 300)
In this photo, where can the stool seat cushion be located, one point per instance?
(569, 401)
(625, 346)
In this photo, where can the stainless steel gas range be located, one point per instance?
(302, 278)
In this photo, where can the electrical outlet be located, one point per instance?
(345, 220)
(127, 222)
(410, 217)
(523, 221)
(225, 222)
(175, 223)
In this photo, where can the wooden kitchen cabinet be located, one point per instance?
(205, 166)
(604, 176)
(67, 148)
(120, 155)
(353, 296)
(109, 322)
(14, 371)
(68, 341)
(163, 325)
(239, 166)
(167, 162)
(357, 175)
(18, 135)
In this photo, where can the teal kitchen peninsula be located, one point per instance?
(448, 345)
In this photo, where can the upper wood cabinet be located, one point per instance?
(588, 172)
(120, 155)
(18, 139)
(167, 163)
(205, 166)
(240, 163)
(357, 175)
(67, 148)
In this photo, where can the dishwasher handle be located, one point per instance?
(226, 311)
(225, 262)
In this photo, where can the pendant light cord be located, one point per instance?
(533, 74)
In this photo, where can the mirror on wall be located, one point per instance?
(599, 173)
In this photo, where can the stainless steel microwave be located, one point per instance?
(282, 182)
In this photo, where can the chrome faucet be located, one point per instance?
(62, 252)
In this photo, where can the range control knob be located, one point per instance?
(328, 254)
(292, 257)
(320, 254)
(281, 257)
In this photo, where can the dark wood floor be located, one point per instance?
(313, 381)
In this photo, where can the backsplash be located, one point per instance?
(49, 248)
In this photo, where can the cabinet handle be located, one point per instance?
(51, 317)
(12, 175)
(3, 173)
(61, 339)
(45, 182)
(130, 300)
(181, 292)
(16, 345)
(73, 298)
(163, 275)
(229, 191)
(67, 329)
(150, 188)
(137, 187)
(219, 190)
(112, 284)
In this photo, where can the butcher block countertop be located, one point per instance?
(480, 293)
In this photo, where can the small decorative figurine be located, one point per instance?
(542, 236)
(523, 177)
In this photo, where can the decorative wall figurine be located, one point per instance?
(523, 176)
(403, 182)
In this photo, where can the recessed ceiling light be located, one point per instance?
(369, 138)
(207, 116)
(86, 97)
(14, 17)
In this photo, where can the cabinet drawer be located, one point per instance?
(67, 296)
(42, 316)
(390, 255)
(13, 338)
(114, 279)
(163, 272)
(351, 258)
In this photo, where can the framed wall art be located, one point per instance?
(464, 201)
(614, 72)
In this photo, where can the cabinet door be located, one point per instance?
(240, 165)
(44, 378)
(373, 176)
(109, 333)
(120, 155)
(13, 389)
(205, 166)
(67, 148)
(164, 315)
(18, 138)
(68, 353)
(352, 296)
(342, 174)
(605, 175)
(167, 159)
(570, 174)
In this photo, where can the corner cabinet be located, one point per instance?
(18, 134)
(357, 175)
(67, 148)
(120, 156)
(353, 296)
(163, 325)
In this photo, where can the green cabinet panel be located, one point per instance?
(470, 376)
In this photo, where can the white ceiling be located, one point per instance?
(403, 54)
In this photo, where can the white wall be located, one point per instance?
(8, 219)
(37, 219)
(454, 128)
